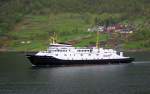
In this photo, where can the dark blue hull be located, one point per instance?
(49, 60)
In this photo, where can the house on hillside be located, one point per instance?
(96, 28)
(119, 28)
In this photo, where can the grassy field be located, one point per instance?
(37, 28)
(68, 27)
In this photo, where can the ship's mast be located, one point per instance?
(97, 40)
(53, 38)
(99, 29)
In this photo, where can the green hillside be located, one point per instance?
(32, 20)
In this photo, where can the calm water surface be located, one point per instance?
(18, 77)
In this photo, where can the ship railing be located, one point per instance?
(44, 51)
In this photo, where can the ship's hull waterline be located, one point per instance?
(49, 60)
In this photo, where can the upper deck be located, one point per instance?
(67, 48)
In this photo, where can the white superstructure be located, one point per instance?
(68, 52)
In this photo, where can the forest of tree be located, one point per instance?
(13, 10)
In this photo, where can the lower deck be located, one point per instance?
(49, 60)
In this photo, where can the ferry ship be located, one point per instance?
(66, 54)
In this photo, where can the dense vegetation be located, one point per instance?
(22, 20)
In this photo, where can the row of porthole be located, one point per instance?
(59, 50)
(74, 54)
(84, 50)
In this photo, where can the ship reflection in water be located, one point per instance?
(18, 77)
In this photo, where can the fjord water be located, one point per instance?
(18, 77)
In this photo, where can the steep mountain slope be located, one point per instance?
(22, 20)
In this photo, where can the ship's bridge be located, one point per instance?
(60, 45)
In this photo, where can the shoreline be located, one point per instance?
(30, 51)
